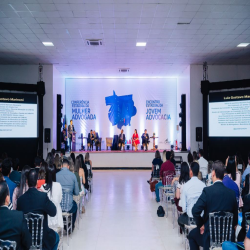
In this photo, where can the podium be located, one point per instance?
(153, 137)
(73, 149)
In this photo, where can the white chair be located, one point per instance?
(220, 228)
(7, 245)
(187, 229)
(59, 230)
(35, 226)
(67, 217)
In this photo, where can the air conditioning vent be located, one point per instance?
(94, 42)
(124, 70)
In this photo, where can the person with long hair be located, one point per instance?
(42, 174)
(73, 157)
(190, 158)
(18, 191)
(88, 164)
(79, 173)
(135, 140)
(54, 192)
(86, 174)
(50, 158)
(195, 156)
(156, 166)
(57, 160)
(184, 177)
(164, 159)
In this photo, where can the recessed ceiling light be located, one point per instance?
(141, 44)
(48, 44)
(243, 44)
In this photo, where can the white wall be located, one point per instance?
(58, 89)
(29, 74)
(216, 73)
(183, 87)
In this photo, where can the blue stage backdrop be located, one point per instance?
(107, 105)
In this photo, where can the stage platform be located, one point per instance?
(127, 159)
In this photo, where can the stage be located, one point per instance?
(127, 159)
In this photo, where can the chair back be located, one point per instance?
(156, 171)
(247, 220)
(168, 176)
(65, 202)
(220, 228)
(7, 245)
(35, 226)
(109, 141)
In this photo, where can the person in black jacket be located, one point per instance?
(145, 139)
(121, 140)
(13, 226)
(90, 140)
(216, 198)
(38, 203)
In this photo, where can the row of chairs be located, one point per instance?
(35, 222)
(220, 223)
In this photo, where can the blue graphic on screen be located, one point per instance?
(122, 109)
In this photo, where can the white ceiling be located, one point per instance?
(216, 28)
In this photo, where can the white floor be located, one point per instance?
(121, 214)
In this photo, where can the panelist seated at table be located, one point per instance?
(121, 140)
(96, 140)
(145, 139)
(90, 140)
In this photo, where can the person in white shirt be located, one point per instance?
(54, 192)
(191, 191)
(203, 164)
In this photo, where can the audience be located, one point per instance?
(209, 176)
(50, 158)
(13, 225)
(54, 192)
(191, 191)
(80, 171)
(195, 156)
(167, 168)
(172, 157)
(184, 177)
(23, 187)
(203, 164)
(68, 181)
(216, 198)
(15, 175)
(38, 202)
(6, 168)
(38, 162)
(73, 157)
(88, 164)
(156, 166)
(53, 152)
(42, 174)
(57, 161)
(164, 159)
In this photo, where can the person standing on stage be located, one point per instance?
(90, 140)
(135, 140)
(64, 136)
(145, 139)
(71, 129)
(121, 140)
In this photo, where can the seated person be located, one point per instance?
(15, 175)
(145, 139)
(6, 168)
(167, 166)
(96, 140)
(38, 202)
(68, 181)
(216, 198)
(121, 140)
(191, 191)
(13, 225)
(90, 140)
(156, 166)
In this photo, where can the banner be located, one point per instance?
(109, 105)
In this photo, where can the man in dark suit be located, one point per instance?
(71, 129)
(216, 198)
(121, 140)
(13, 225)
(38, 203)
(145, 139)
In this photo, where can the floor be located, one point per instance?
(121, 215)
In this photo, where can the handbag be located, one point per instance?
(152, 185)
(160, 211)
